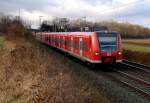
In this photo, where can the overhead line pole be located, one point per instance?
(40, 21)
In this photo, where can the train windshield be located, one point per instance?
(108, 41)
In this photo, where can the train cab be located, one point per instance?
(110, 46)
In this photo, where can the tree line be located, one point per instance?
(126, 29)
(14, 27)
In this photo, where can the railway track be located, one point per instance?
(133, 87)
(133, 77)
(136, 84)
(136, 65)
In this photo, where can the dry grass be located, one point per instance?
(29, 73)
(2, 38)
(140, 57)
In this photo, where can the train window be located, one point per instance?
(76, 45)
(72, 43)
(69, 43)
(57, 40)
(85, 46)
(49, 38)
(46, 38)
(61, 40)
(81, 46)
(65, 42)
(41, 37)
(54, 40)
(108, 41)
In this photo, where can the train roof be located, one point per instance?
(79, 33)
(106, 32)
(69, 33)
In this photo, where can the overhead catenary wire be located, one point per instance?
(122, 6)
(115, 10)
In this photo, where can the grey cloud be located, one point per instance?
(138, 11)
(54, 8)
(13, 5)
(99, 2)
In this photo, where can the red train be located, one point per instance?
(93, 47)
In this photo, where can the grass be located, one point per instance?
(137, 50)
(139, 45)
(139, 42)
(2, 38)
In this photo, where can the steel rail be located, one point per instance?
(131, 86)
(133, 77)
(135, 67)
(138, 64)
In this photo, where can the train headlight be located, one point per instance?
(120, 53)
(96, 53)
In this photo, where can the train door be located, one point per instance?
(71, 43)
(86, 48)
(59, 41)
(81, 46)
(64, 42)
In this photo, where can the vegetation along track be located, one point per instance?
(134, 76)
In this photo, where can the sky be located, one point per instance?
(133, 11)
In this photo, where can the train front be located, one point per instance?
(110, 46)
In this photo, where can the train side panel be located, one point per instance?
(82, 45)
